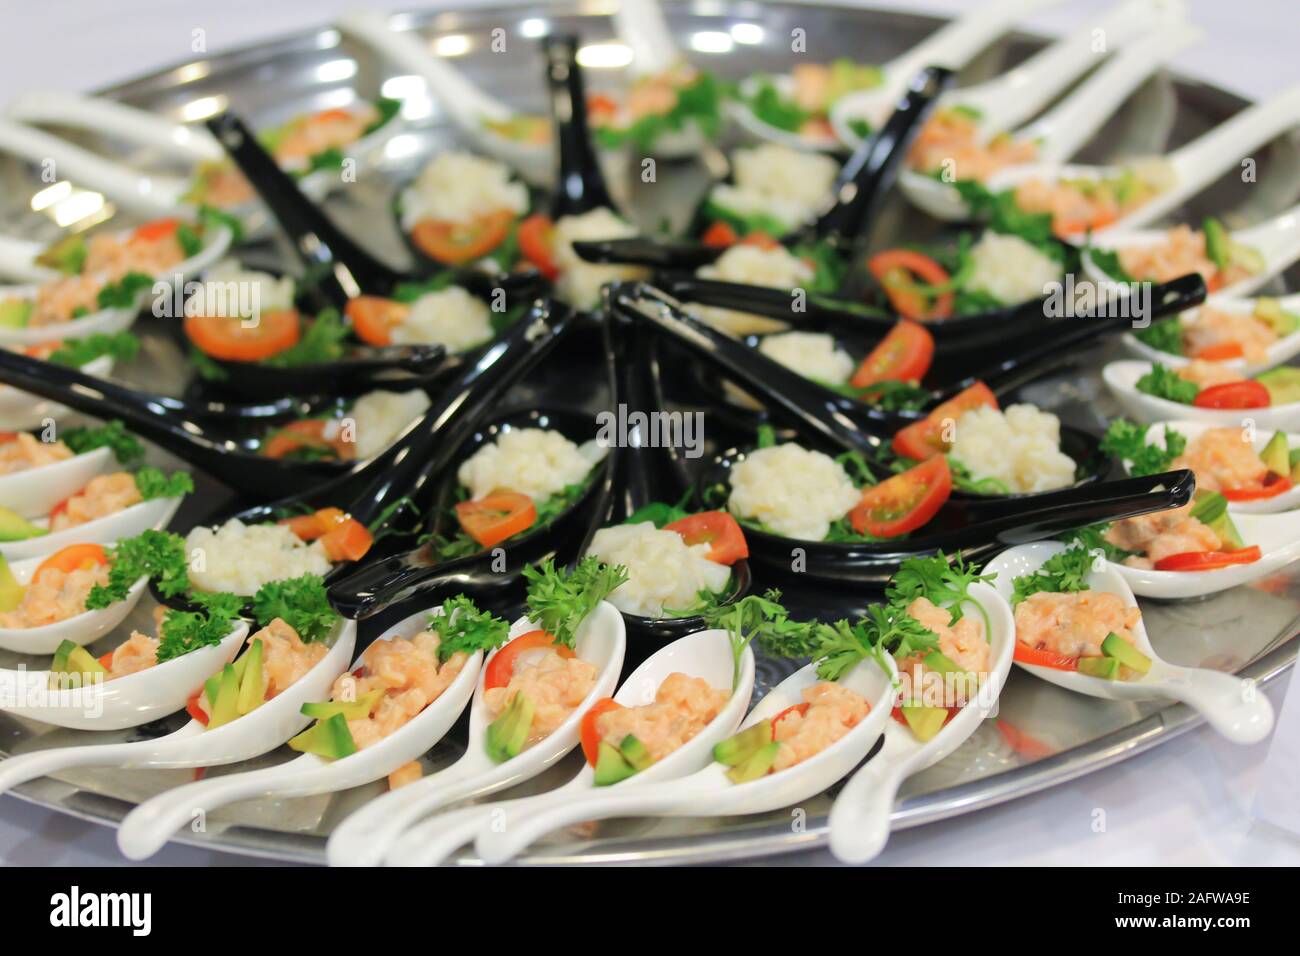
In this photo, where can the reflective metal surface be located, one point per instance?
(1042, 735)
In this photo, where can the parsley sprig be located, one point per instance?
(559, 600)
(301, 602)
(463, 628)
(159, 555)
(1066, 572)
(184, 631)
(1127, 442)
(155, 483)
(113, 435)
(945, 581)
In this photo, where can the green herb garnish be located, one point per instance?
(560, 600)
(1164, 382)
(113, 434)
(1127, 442)
(158, 555)
(463, 629)
(155, 483)
(301, 602)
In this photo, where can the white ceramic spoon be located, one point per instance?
(860, 816)
(22, 411)
(1281, 351)
(1191, 430)
(117, 704)
(127, 523)
(368, 832)
(83, 628)
(190, 144)
(708, 792)
(1277, 240)
(705, 654)
(1230, 705)
(1067, 127)
(1191, 167)
(1122, 377)
(102, 322)
(467, 105)
(18, 260)
(193, 745)
(32, 493)
(146, 828)
(953, 45)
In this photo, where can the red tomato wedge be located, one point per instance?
(903, 355)
(1221, 352)
(799, 709)
(502, 666)
(1209, 560)
(308, 433)
(537, 244)
(720, 235)
(760, 239)
(317, 524)
(1271, 486)
(1033, 655)
(458, 243)
(230, 340)
(374, 318)
(904, 502)
(1234, 395)
(898, 272)
(717, 529)
(349, 541)
(158, 229)
(194, 710)
(500, 515)
(106, 660)
(73, 558)
(925, 438)
(588, 733)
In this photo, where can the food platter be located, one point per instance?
(1042, 736)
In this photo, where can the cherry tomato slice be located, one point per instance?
(925, 438)
(903, 355)
(349, 541)
(194, 710)
(904, 502)
(715, 528)
(374, 318)
(502, 666)
(1221, 352)
(458, 243)
(1041, 658)
(799, 709)
(897, 271)
(1271, 486)
(537, 244)
(588, 733)
(496, 517)
(1234, 395)
(230, 340)
(73, 558)
(1209, 560)
(158, 229)
(720, 235)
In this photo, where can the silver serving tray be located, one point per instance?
(1251, 631)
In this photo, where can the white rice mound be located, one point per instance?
(1019, 446)
(789, 185)
(457, 186)
(451, 317)
(813, 355)
(662, 570)
(580, 281)
(231, 291)
(774, 268)
(380, 415)
(531, 461)
(796, 492)
(240, 558)
(1010, 269)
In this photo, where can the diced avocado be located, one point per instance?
(250, 682)
(507, 734)
(351, 709)
(1216, 242)
(67, 255)
(635, 752)
(1227, 531)
(1247, 257)
(738, 747)
(941, 663)
(327, 738)
(611, 767)
(1107, 668)
(11, 592)
(14, 527)
(756, 765)
(1208, 506)
(1276, 455)
(1124, 652)
(1295, 468)
(213, 683)
(1271, 313)
(14, 313)
(71, 666)
(925, 722)
(226, 707)
(1283, 384)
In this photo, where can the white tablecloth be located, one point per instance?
(1185, 803)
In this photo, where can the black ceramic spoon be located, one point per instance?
(580, 183)
(860, 187)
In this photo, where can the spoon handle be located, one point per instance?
(580, 186)
(859, 818)
(1234, 707)
(18, 261)
(641, 25)
(955, 43)
(28, 766)
(1013, 520)
(146, 195)
(117, 120)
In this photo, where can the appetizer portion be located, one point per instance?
(548, 246)
(675, 562)
(523, 480)
(619, 741)
(1221, 335)
(1064, 624)
(774, 190)
(951, 140)
(658, 105)
(353, 430)
(241, 558)
(398, 678)
(1210, 251)
(1205, 384)
(109, 257)
(801, 103)
(1087, 204)
(463, 209)
(533, 684)
(57, 590)
(1199, 536)
(23, 451)
(433, 312)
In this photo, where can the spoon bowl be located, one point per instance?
(84, 628)
(1122, 377)
(33, 492)
(154, 513)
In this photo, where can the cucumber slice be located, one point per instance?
(226, 706)
(250, 683)
(74, 666)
